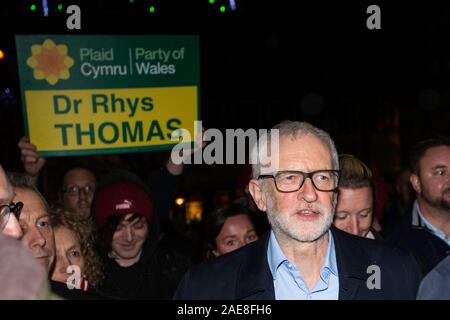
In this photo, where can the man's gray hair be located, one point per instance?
(24, 181)
(294, 129)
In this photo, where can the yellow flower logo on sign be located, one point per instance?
(50, 62)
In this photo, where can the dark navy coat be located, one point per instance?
(245, 273)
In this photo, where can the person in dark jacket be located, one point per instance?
(125, 216)
(303, 257)
(425, 232)
(135, 265)
(245, 274)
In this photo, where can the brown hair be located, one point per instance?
(82, 227)
(354, 173)
(24, 181)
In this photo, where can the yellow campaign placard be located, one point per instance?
(105, 119)
(90, 94)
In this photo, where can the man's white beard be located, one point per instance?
(283, 224)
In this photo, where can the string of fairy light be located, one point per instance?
(45, 8)
(50, 7)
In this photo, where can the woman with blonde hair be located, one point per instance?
(356, 198)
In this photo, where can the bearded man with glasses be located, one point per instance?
(303, 256)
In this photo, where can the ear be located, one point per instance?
(215, 253)
(257, 194)
(415, 182)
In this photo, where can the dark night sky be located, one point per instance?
(258, 63)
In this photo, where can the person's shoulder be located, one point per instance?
(375, 250)
(398, 271)
(226, 263)
(436, 283)
(442, 269)
(217, 278)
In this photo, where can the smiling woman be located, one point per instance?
(229, 228)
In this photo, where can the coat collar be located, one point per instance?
(416, 219)
(255, 280)
(352, 262)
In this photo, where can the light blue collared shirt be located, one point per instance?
(289, 284)
(437, 232)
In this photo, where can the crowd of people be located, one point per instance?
(110, 237)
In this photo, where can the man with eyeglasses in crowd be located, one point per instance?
(17, 262)
(78, 184)
(304, 256)
(9, 211)
(35, 231)
(34, 220)
(77, 191)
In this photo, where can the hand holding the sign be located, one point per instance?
(177, 169)
(32, 161)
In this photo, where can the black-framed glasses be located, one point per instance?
(291, 181)
(6, 210)
(75, 190)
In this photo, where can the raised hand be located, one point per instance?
(31, 160)
(199, 144)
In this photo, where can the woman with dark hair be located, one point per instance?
(229, 228)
